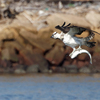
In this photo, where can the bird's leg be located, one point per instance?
(79, 48)
(72, 52)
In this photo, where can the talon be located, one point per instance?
(72, 52)
(79, 48)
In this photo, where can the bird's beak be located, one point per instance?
(51, 36)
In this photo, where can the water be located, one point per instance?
(49, 87)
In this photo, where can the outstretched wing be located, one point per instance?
(73, 30)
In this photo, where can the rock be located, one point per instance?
(58, 19)
(20, 69)
(36, 57)
(8, 70)
(39, 43)
(5, 66)
(58, 69)
(59, 43)
(96, 63)
(45, 33)
(1, 70)
(84, 70)
(14, 65)
(27, 57)
(74, 62)
(22, 21)
(5, 70)
(24, 54)
(71, 69)
(6, 34)
(87, 63)
(82, 56)
(80, 64)
(42, 62)
(55, 55)
(9, 53)
(93, 18)
(32, 69)
(27, 33)
(14, 32)
(66, 63)
(96, 60)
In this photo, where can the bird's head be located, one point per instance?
(55, 35)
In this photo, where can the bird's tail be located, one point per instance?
(86, 39)
(91, 36)
(90, 44)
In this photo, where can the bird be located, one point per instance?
(68, 36)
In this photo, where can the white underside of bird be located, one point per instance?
(72, 42)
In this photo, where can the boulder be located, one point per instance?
(35, 57)
(45, 33)
(9, 53)
(71, 69)
(32, 69)
(84, 70)
(58, 69)
(22, 21)
(39, 43)
(55, 55)
(93, 18)
(5, 64)
(66, 63)
(96, 63)
(19, 69)
(25, 57)
(23, 53)
(82, 56)
(58, 19)
(80, 63)
(42, 62)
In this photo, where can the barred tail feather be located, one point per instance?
(89, 37)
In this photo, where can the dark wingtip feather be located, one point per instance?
(69, 24)
(57, 26)
(63, 24)
(90, 44)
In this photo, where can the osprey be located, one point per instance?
(68, 37)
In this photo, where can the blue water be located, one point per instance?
(49, 87)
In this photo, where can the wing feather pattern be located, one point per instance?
(73, 30)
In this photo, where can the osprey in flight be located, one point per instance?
(68, 37)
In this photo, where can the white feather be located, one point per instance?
(72, 41)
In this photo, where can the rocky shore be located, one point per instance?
(26, 46)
